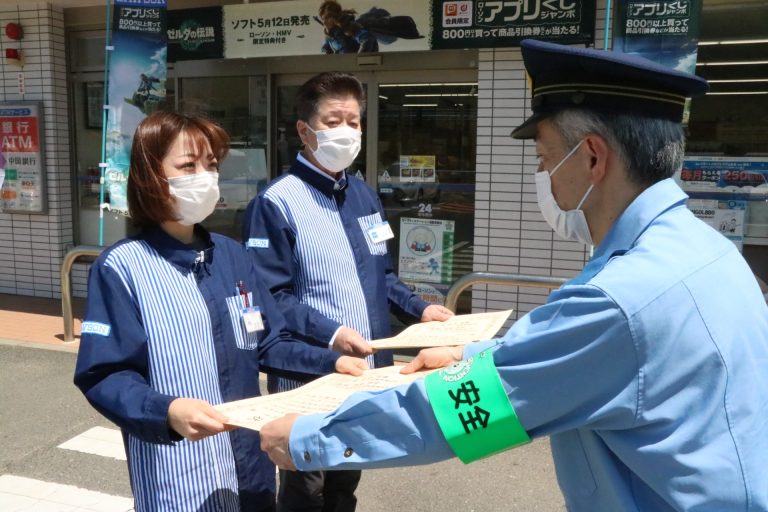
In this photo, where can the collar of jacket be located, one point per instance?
(182, 256)
(652, 202)
(321, 183)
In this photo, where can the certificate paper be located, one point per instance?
(322, 395)
(457, 330)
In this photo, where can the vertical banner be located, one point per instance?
(664, 31)
(137, 73)
(23, 188)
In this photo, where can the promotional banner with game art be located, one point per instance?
(137, 73)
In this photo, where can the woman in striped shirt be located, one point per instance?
(178, 320)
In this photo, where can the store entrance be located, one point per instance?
(419, 153)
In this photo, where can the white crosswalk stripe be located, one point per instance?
(19, 494)
(22, 494)
(107, 442)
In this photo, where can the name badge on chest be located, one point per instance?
(380, 232)
(252, 319)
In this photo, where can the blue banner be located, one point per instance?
(137, 74)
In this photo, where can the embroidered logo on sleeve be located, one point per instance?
(95, 328)
(259, 243)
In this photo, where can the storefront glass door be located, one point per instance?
(419, 138)
(426, 181)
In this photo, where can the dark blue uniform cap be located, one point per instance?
(570, 77)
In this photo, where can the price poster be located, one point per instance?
(726, 216)
(24, 187)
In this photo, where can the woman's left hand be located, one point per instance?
(195, 419)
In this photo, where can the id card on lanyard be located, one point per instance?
(251, 314)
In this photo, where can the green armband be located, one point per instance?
(473, 410)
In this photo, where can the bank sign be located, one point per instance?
(491, 24)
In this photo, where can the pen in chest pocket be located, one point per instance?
(240, 288)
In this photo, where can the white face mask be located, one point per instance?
(196, 196)
(337, 148)
(571, 224)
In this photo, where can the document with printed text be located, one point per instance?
(457, 330)
(322, 395)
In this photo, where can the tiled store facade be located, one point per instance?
(32, 246)
(510, 235)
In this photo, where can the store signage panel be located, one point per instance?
(274, 29)
(426, 250)
(491, 24)
(732, 187)
(195, 34)
(24, 187)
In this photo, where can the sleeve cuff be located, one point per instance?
(333, 338)
(304, 441)
(325, 329)
(479, 346)
(158, 429)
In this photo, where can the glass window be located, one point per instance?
(729, 124)
(88, 114)
(239, 105)
(426, 182)
(287, 141)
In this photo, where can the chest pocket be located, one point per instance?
(379, 248)
(243, 339)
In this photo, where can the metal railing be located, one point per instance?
(474, 278)
(72, 255)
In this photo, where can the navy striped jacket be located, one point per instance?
(164, 321)
(307, 235)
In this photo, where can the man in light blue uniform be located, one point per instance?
(648, 371)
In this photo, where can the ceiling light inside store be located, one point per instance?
(734, 63)
(440, 84)
(734, 41)
(738, 81)
(419, 104)
(736, 93)
(438, 94)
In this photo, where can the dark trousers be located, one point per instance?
(317, 491)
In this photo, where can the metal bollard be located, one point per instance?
(66, 286)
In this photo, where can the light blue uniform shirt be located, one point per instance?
(649, 372)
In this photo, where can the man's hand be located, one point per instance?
(436, 357)
(195, 419)
(436, 312)
(351, 365)
(350, 342)
(274, 441)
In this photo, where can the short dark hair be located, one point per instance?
(149, 200)
(331, 84)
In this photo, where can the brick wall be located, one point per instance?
(511, 236)
(32, 246)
